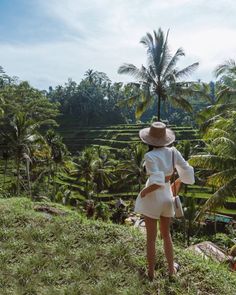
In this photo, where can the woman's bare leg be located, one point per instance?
(151, 229)
(168, 245)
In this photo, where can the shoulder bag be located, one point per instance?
(176, 199)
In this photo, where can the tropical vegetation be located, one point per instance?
(218, 162)
(77, 145)
(160, 80)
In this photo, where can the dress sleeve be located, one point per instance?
(155, 175)
(185, 171)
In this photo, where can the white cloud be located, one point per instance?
(103, 34)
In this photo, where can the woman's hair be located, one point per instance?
(151, 147)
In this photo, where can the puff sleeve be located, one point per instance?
(155, 175)
(185, 171)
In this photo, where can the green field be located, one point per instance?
(116, 136)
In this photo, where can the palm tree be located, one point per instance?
(219, 160)
(224, 94)
(58, 151)
(132, 170)
(160, 79)
(21, 136)
(102, 174)
(85, 170)
(96, 77)
(226, 73)
(226, 69)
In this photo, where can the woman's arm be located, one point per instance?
(175, 186)
(185, 171)
(149, 189)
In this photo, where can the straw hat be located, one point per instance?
(157, 135)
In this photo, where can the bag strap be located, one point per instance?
(173, 175)
(174, 178)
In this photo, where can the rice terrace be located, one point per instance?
(93, 96)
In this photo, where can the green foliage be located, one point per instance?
(91, 102)
(219, 134)
(222, 240)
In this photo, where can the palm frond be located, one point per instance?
(147, 40)
(181, 102)
(170, 67)
(227, 67)
(128, 101)
(186, 71)
(222, 178)
(165, 57)
(150, 77)
(214, 133)
(133, 71)
(226, 94)
(141, 107)
(218, 199)
(145, 103)
(211, 162)
(223, 146)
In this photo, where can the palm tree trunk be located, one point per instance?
(158, 106)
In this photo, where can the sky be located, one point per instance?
(48, 41)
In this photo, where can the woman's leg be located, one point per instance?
(151, 230)
(168, 246)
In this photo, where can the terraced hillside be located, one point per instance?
(120, 136)
(113, 137)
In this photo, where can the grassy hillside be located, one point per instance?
(71, 255)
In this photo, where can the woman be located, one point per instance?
(155, 200)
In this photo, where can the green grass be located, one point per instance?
(71, 255)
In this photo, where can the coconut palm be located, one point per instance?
(160, 79)
(219, 160)
(226, 69)
(57, 155)
(131, 170)
(21, 135)
(85, 170)
(224, 96)
(102, 174)
(226, 73)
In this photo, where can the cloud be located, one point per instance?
(103, 34)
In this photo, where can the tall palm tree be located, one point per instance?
(160, 79)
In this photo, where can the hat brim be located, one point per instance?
(164, 141)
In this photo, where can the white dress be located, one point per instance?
(158, 163)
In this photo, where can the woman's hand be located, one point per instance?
(149, 189)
